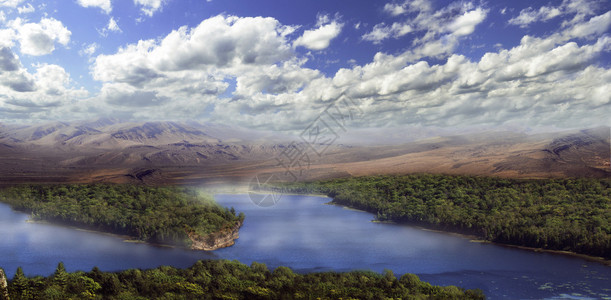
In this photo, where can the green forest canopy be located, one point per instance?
(223, 279)
(558, 214)
(153, 214)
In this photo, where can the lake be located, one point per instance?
(306, 235)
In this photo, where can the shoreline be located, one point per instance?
(124, 238)
(477, 239)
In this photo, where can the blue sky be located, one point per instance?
(277, 64)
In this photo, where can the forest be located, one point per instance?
(224, 279)
(557, 214)
(153, 214)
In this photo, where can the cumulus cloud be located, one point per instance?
(40, 38)
(23, 93)
(320, 38)
(195, 65)
(216, 42)
(126, 95)
(543, 81)
(150, 7)
(12, 74)
(580, 8)
(105, 5)
(595, 26)
(440, 29)
(273, 79)
(7, 37)
(8, 60)
(465, 24)
(245, 71)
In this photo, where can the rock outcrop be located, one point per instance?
(3, 286)
(221, 239)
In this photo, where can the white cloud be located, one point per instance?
(190, 67)
(23, 94)
(10, 3)
(113, 26)
(7, 37)
(581, 9)
(381, 32)
(465, 24)
(89, 50)
(273, 79)
(150, 7)
(595, 26)
(529, 15)
(192, 73)
(396, 9)
(320, 38)
(26, 9)
(105, 5)
(218, 42)
(439, 30)
(548, 81)
(40, 38)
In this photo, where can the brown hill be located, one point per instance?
(171, 152)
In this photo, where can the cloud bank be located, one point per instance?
(257, 72)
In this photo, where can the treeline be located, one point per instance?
(557, 214)
(153, 214)
(223, 279)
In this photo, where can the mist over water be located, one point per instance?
(302, 233)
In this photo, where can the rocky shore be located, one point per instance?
(220, 239)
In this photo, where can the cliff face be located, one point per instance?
(216, 240)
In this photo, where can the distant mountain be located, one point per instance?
(189, 152)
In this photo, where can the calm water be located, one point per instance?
(302, 233)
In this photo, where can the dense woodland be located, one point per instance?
(153, 214)
(223, 279)
(557, 214)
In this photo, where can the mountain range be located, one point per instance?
(110, 150)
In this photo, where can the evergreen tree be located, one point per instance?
(20, 284)
(60, 276)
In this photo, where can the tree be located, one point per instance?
(20, 284)
(60, 276)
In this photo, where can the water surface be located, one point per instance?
(306, 235)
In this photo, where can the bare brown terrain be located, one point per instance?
(107, 150)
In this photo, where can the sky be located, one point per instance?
(276, 65)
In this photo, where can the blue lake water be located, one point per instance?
(306, 235)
